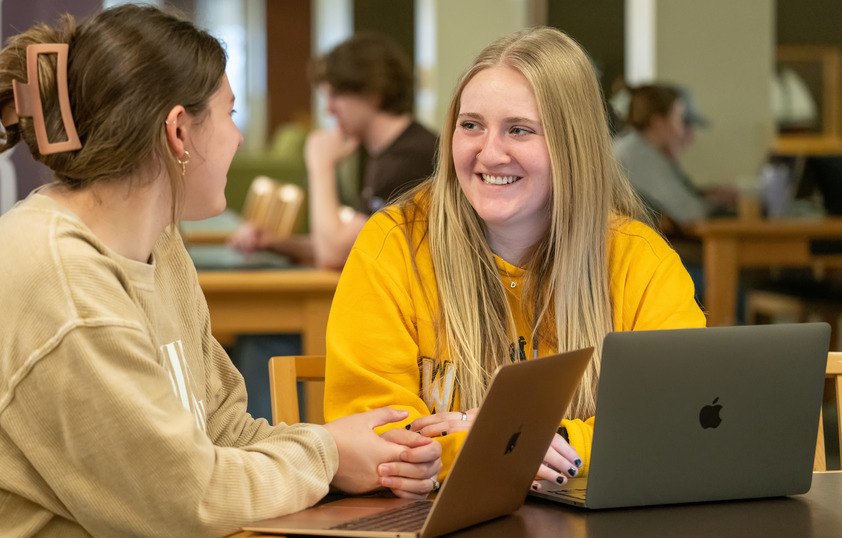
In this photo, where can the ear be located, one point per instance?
(176, 127)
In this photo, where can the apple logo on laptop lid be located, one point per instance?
(709, 415)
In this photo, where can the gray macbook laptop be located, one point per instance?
(491, 475)
(694, 415)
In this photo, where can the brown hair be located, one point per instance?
(649, 101)
(127, 68)
(368, 64)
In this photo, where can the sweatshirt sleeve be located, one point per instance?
(116, 447)
(580, 435)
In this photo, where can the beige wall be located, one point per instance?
(723, 50)
(452, 34)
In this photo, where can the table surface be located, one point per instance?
(817, 513)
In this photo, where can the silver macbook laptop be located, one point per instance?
(695, 415)
(491, 475)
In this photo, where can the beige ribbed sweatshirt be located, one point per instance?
(119, 413)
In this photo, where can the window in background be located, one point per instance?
(333, 22)
(226, 20)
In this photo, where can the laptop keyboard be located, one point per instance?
(572, 493)
(409, 517)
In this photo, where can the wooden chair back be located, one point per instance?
(832, 392)
(273, 206)
(284, 373)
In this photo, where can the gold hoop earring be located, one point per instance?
(183, 160)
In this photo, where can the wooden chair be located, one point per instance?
(833, 390)
(273, 206)
(769, 306)
(284, 373)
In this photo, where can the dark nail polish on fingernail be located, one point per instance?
(560, 480)
(443, 434)
(535, 487)
(572, 471)
(578, 462)
(407, 426)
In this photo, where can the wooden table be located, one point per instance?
(729, 245)
(276, 301)
(812, 515)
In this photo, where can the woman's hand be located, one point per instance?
(443, 423)
(403, 461)
(248, 238)
(560, 462)
(361, 450)
(414, 474)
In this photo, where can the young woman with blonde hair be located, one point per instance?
(120, 414)
(525, 242)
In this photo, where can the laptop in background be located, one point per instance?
(693, 415)
(493, 471)
(223, 258)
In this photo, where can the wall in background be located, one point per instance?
(809, 22)
(450, 34)
(723, 51)
(599, 28)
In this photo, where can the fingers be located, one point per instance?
(406, 438)
(441, 424)
(414, 475)
(409, 479)
(566, 450)
(560, 462)
(384, 415)
(427, 452)
(414, 448)
(408, 488)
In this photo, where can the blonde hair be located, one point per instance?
(565, 293)
(127, 68)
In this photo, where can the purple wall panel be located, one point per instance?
(16, 16)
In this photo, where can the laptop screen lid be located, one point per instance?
(492, 473)
(719, 413)
(507, 442)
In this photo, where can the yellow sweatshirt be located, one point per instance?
(381, 339)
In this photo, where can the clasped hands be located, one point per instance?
(400, 460)
(560, 462)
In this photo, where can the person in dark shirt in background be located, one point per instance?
(368, 83)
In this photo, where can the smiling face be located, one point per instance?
(214, 141)
(501, 157)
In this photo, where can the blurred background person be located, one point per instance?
(368, 83)
(660, 125)
(369, 87)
